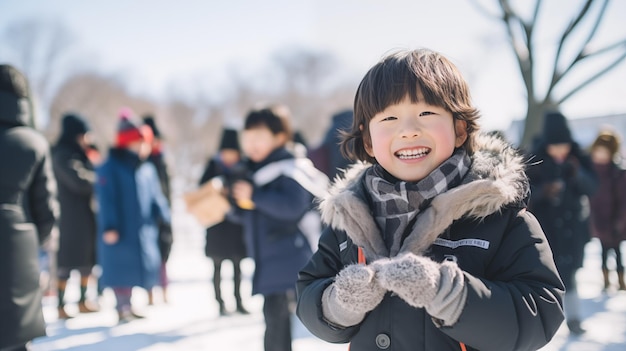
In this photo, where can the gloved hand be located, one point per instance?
(356, 288)
(422, 282)
(414, 278)
(354, 293)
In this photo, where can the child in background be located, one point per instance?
(279, 194)
(130, 206)
(428, 245)
(166, 237)
(608, 222)
(561, 180)
(224, 240)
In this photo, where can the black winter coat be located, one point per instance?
(224, 240)
(564, 217)
(514, 294)
(166, 236)
(28, 212)
(75, 177)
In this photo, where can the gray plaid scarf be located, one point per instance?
(397, 204)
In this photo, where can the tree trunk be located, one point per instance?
(534, 122)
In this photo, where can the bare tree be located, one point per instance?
(523, 35)
(44, 51)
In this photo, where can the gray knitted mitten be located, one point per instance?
(356, 288)
(354, 293)
(421, 282)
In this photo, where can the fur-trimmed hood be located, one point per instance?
(496, 178)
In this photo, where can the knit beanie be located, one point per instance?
(609, 140)
(229, 140)
(128, 131)
(555, 129)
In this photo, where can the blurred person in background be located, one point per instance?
(130, 207)
(76, 177)
(271, 203)
(166, 238)
(608, 204)
(327, 156)
(224, 240)
(28, 213)
(562, 179)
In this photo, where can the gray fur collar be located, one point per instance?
(496, 178)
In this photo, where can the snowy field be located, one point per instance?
(191, 322)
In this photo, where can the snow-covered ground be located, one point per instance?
(190, 321)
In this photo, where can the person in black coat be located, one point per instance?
(327, 157)
(562, 179)
(166, 237)
(224, 240)
(76, 176)
(28, 213)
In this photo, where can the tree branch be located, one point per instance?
(593, 77)
(556, 74)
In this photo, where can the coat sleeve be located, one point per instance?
(313, 279)
(160, 205)
(286, 200)
(519, 301)
(107, 195)
(72, 173)
(42, 198)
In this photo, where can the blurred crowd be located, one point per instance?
(105, 215)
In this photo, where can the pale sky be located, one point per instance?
(156, 44)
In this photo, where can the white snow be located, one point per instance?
(190, 321)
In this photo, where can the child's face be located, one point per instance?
(559, 152)
(410, 140)
(601, 155)
(229, 156)
(258, 143)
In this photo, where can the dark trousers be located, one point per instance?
(277, 322)
(618, 257)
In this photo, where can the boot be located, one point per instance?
(240, 308)
(62, 313)
(83, 307)
(607, 282)
(620, 279)
(574, 327)
(237, 283)
(222, 308)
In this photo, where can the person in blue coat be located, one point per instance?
(131, 204)
(272, 203)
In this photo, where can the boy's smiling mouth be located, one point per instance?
(409, 154)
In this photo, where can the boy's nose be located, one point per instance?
(410, 128)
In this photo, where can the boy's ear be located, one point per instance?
(367, 142)
(460, 130)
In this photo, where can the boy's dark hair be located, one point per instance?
(276, 118)
(420, 74)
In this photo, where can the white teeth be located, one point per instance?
(414, 153)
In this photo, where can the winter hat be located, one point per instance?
(609, 140)
(555, 129)
(229, 140)
(13, 82)
(15, 100)
(128, 131)
(74, 124)
(150, 122)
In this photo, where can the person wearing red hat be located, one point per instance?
(131, 204)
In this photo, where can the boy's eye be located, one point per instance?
(426, 113)
(389, 118)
